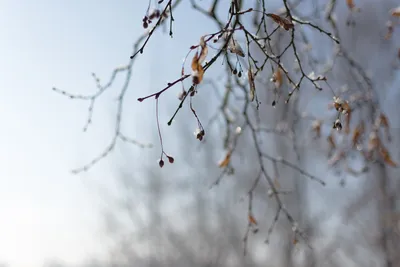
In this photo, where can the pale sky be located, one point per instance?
(46, 212)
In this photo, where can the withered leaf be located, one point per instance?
(384, 122)
(316, 127)
(277, 78)
(395, 12)
(233, 45)
(223, 163)
(252, 220)
(358, 131)
(200, 74)
(197, 68)
(373, 142)
(251, 83)
(204, 50)
(195, 62)
(350, 4)
(283, 22)
(340, 105)
(346, 107)
(386, 156)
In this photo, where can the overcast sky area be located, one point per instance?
(46, 212)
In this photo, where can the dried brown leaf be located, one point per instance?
(223, 163)
(197, 69)
(204, 50)
(200, 74)
(340, 105)
(283, 22)
(233, 46)
(250, 76)
(373, 142)
(252, 220)
(357, 133)
(316, 127)
(278, 78)
(395, 12)
(383, 120)
(386, 156)
(350, 4)
(195, 62)
(346, 107)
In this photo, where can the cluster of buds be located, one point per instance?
(161, 161)
(200, 133)
(238, 73)
(155, 14)
(342, 107)
(337, 124)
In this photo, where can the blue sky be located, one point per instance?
(46, 211)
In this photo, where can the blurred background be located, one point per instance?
(126, 211)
